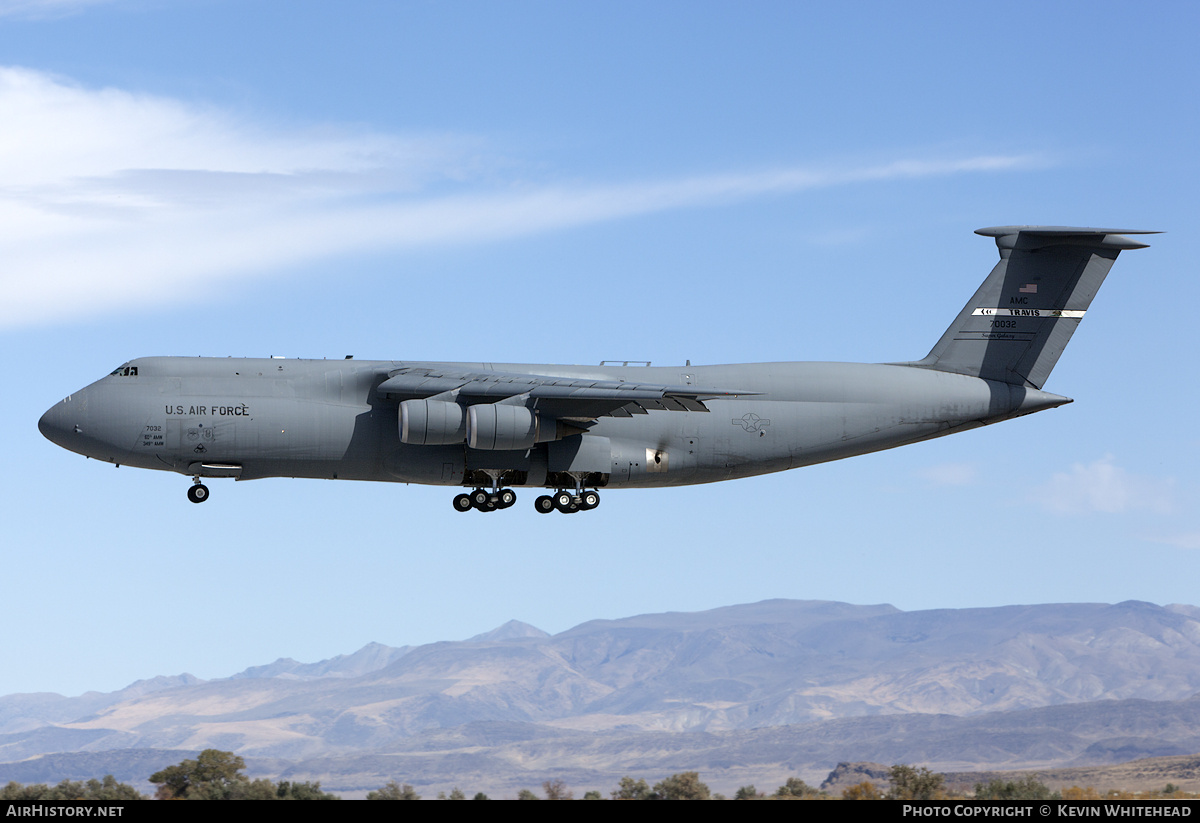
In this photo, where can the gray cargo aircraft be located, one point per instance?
(575, 429)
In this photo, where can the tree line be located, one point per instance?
(213, 775)
(217, 775)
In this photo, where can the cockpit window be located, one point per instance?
(124, 371)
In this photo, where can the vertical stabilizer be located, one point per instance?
(1022, 317)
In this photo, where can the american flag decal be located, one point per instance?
(1028, 288)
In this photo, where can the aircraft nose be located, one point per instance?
(58, 424)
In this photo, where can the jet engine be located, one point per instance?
(486, 426)
(431, 423)
(497, 427)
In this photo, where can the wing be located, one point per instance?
(564, 398)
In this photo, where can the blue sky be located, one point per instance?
(573, 182)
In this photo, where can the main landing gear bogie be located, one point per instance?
(485, 501)
(567, 503)
(562, 501)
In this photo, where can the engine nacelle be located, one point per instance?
(497, 427)
(431, 423)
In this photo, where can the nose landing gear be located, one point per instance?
(198, 493)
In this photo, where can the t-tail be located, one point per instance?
(1022, 317)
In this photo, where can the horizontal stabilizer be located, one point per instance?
(1032, 237)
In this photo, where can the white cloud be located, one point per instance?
(60, 135)
(1102, 486)
(107, 196)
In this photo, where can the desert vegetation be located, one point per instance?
(218, 775)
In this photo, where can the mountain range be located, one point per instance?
(784, 687)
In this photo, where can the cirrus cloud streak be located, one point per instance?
(107, 193)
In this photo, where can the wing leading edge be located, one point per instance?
(564, 397)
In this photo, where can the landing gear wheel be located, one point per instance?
(544, 504)
(481, 500)
(505, 498)
(589, 500)
(198, 493)
(564, 501)
(462, 503)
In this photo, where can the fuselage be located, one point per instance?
(257, 418)
(577, 429)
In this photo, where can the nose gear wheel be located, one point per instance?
(198, 493)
